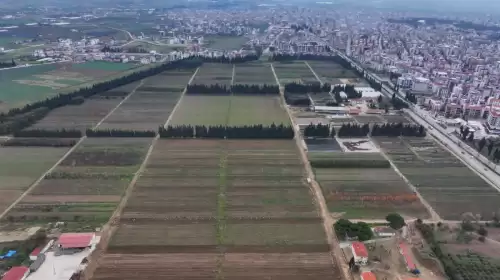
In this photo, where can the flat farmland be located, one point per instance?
(362, 193)
(232, 110)
(331, 72)
(254, 73)
(396, 119)
(22, 166)
(449, 186)
(151, 104)
(295, 71)
(214, 73)
(203, 209)
(81, 117)
(364, 119)
(87, 185)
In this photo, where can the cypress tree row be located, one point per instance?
(230, 132)
(353, 130)
(218, 89)
(398, 129)
(318, 130)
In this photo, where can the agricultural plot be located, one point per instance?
(227, 43)
(254, 73)
(321, 99)
(449, 186)
(331, 72)
(363, 186)
(204, 208)
(151, 104)
(230, 110)
(367, 119)
(82, 117)
(322, 145)
(295, 71)
(85, 188)
(22, 166)
(29, 84)
(396, 119)
(214, 73)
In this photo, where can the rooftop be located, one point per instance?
(75, 240)
(16, 273)
(368, 276)
(359, 249)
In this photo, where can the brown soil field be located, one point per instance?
(55, 187)
(289, 266)
(143, 111)
(214, 73)
(82, 117)
(157, 266)
(70, 198)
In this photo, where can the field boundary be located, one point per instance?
(275, 76)
(232, 76)
(314, 72)
(40, 179)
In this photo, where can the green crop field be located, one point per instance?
(230, 110)
(25, 85)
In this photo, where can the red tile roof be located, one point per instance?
(75, 240)
(368, 276)
(16, 273)
(36, 252)
(360, 249)
(407, 257)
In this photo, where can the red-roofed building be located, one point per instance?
(75, 240)
(368, 276)
(410, 265)
(359, 252)
(17, 273)
(35, 253)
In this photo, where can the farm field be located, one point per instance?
(363, 192)
(449, 186)
(214, 73)
(254, 73)
(85, 188)
(331, 72)
(231, 110)
(209, 205)
(29, 84)
(150, 105)
(294, 71)
(395, 119)
(22, 166)
(364, 119)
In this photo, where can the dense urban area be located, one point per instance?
(248, 140)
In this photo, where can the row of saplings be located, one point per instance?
(234, 89)
(356, 130)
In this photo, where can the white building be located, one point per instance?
(420, 84)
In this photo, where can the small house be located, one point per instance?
(359, 252)
(72, 241)
(17, 273)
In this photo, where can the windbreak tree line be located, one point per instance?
(218, 89)
(319, 130)
(20, 118)
(7, 64)
(398, 129)
(230, 132)
(306, 88)
(354, 130)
